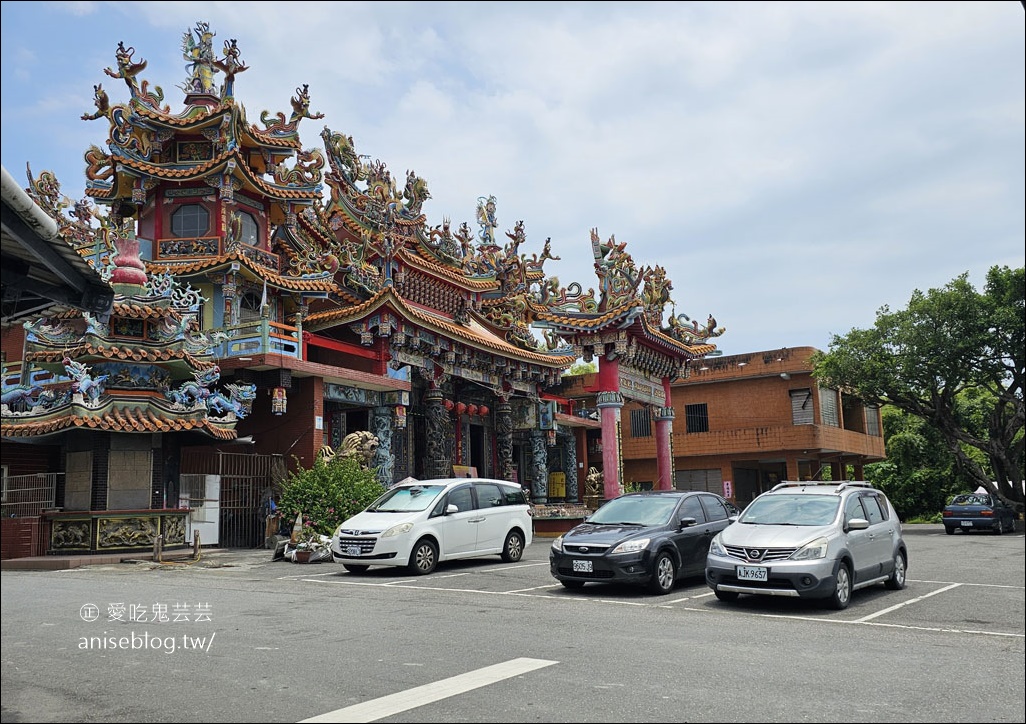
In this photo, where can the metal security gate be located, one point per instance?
(246, 482)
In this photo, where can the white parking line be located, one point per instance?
(906, 603)
(543, 592)
(546, 587)
(419, 696)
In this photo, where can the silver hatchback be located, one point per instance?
(810, 540)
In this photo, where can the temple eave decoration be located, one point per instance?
(113, 415)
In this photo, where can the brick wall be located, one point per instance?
(291, 434)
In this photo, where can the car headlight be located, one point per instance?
(397, 530)
(632, 546)
(716, 547)
(811, 551)
(557, 545)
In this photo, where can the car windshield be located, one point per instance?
(635, 510)
(971, 500)
(780, 509)
(406, 499)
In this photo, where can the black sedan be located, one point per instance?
(978, 511)
(652, 539)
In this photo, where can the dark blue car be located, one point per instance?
(978, 511)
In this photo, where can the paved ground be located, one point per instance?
(228, 557)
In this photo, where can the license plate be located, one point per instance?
(352, 551)
(582, 567)
(752, 573)
(967, 524)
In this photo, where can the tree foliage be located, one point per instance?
(329, 493)
(580, 367)
(920, 473)
(955, 358)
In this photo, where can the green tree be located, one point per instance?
(920, 473)
(328, 493)
(949, 344)
(581, 367)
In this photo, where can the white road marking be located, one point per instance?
(681, 603)
(428, 693)
(907, 603)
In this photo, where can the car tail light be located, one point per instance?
(946, 514)
(987, 513)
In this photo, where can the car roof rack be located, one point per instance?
(806, 483)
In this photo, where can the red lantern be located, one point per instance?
(449, 404)
(460, 408)
(471, 409)
(483, 410)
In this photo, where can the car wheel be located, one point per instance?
(352, 568)
(842, 589)
(999, 529)
(728, 596)
(897, 580)
(424, 558)
(513, 548)
(949, 530)
(664, 574)
(573, 585)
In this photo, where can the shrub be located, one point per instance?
(328, 493)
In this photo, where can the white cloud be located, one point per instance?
(794, 166)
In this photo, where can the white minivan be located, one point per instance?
(417, 525)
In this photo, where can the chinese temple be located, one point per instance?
(287, 296)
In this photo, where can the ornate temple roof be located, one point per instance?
(472, 332)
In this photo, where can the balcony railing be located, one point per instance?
(259, 337)
(208, 246)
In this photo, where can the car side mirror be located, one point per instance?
(858, 524)
(687, 522)
(451, 508)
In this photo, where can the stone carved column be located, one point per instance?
(383, 458)
(504, 438)
(439, 436)
(539, 468)
(570, 445)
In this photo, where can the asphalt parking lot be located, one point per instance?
(971, 583)
(483, 640)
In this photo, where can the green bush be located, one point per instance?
(328, 493)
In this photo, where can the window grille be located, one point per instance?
(641, 423)
(696, 418)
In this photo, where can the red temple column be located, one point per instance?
(664, 440)
(609, 402)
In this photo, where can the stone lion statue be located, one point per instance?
(361, 445)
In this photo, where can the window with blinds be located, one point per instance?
(801, 407)
(873, 420)
(828, 407)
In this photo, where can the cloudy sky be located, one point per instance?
(794, 166)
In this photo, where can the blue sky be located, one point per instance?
(793, 166)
